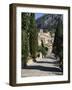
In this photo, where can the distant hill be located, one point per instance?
(49, 21)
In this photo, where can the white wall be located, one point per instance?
(4, 45)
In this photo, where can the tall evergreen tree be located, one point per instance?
(25, 21)
(24, 48)
(58, 41)
(33, 39)
(24, 39)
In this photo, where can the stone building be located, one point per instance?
(47, 40)
(46, 24)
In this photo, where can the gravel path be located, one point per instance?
(43, 67)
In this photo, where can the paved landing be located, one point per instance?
(43, 67)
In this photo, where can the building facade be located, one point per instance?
(47, 40)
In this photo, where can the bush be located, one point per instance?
(46, 48)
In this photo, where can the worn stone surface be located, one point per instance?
(43, 67)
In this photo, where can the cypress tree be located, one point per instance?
(33, 39)
(24, 39)
(58, 41)
(24, 48)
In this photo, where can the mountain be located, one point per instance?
(49, 21)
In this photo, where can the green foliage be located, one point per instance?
(24, 47)
(25, 21)
(25, 42)
(39, 48)
(43, 51)
(42, 44)
(46, 48)
(33, 42)
(58, 41)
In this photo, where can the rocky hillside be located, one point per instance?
(49, 21)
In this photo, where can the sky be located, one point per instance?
(38, 15)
